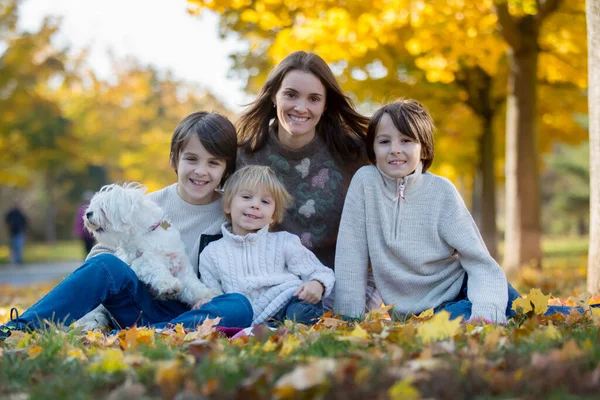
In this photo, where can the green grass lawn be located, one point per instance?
(557, 247)
(47, 252)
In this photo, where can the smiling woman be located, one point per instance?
(306, 129)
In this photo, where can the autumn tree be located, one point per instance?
(450, 55)
(593, 29)
(125, 125)
(36, 145)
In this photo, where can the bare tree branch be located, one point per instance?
(508, 25)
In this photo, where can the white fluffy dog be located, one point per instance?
(122, 217)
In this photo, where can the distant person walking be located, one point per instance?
(17, 223)
(79, 230)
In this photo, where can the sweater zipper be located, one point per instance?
(399, 195)
(247, 266)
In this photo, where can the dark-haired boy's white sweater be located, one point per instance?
(421, 241)
(266, 267)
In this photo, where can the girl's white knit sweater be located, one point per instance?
(421, 241)
(266, 267)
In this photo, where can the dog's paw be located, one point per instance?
(168, 290)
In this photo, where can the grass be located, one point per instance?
(531, 357)
(555, 248)
(70, 250)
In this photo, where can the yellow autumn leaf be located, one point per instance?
(539, 301)
(77, 354)
(94, 337)
(425, 314)
(34, 351)
(438, 328)
(522, 305)
(551, 332)
(203, 330)
(359, 332)
(108, 361)
(269, 346)
(404, 390)
(378, 313)
(290, 344)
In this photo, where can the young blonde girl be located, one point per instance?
(413, 226)
(281, 278)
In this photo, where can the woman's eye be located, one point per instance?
(216, 163)
(384, 141)
(289, 95)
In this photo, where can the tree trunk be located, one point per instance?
(523, 228)
(484, 188)
(478, 85)
(488, 187)
(593, 29)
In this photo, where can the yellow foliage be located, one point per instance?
(34, 351)
(290, 344)
(535, 300)
(359, 332)
(108, 361)
(404, 390)
(439, 327)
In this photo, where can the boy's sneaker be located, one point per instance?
(5, 330)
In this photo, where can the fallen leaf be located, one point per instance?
(404, 390)
(582, 300)
(34, 351)
(307, 376)
(379, 313)
(425, 314)
(438, 328)
(290, 344)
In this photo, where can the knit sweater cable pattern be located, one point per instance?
(266, 267)
(421, 240)
(190, 220)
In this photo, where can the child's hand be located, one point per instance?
(311, 292)
(200, 303)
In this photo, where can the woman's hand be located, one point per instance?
(200, 303)
(311, 292)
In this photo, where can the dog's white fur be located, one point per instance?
(124, 218)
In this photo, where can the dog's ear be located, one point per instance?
(121, 205)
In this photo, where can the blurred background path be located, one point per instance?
(22, 275)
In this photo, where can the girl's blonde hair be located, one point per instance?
(251, 177)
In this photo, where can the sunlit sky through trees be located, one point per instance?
(156, 32)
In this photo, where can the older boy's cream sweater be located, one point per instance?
(266, 267)
(421, 241)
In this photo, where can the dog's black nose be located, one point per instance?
(89, 214)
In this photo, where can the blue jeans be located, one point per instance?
(461, 306)
(17, 243)
(107, 280)
(300, 311)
